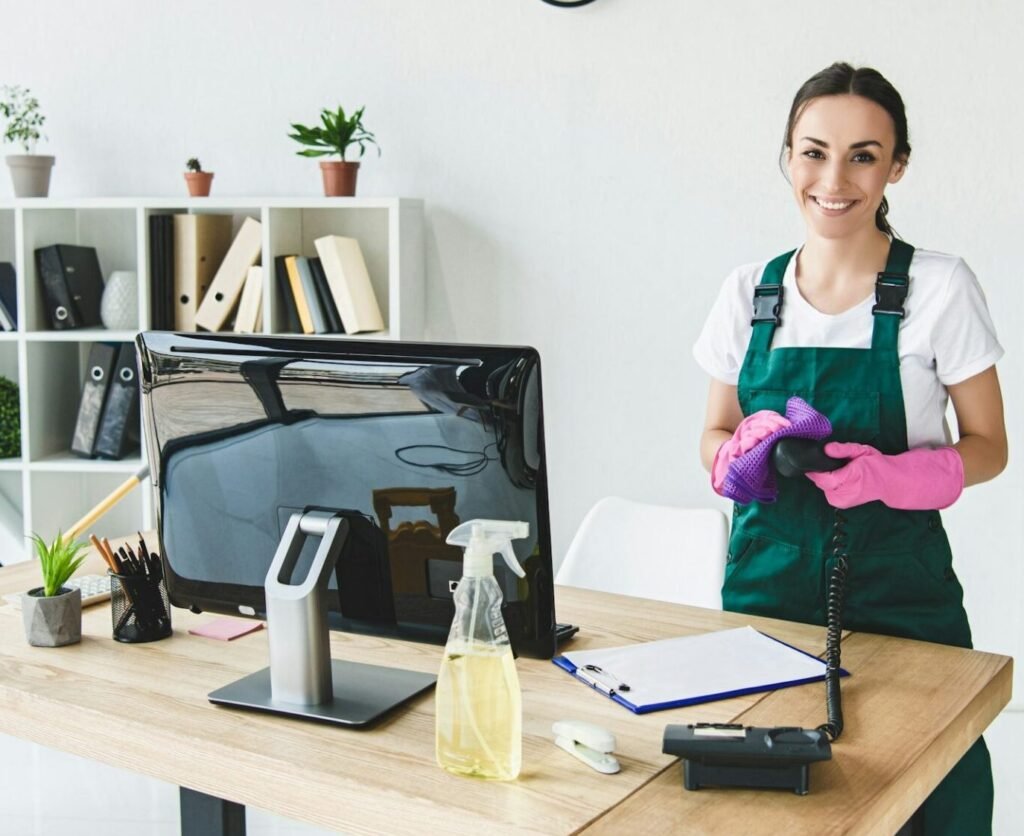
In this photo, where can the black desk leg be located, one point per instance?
(207, 815)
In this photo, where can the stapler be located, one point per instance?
(587, 742)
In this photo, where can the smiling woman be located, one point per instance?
(878, 336)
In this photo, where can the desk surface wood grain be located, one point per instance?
(911, 709)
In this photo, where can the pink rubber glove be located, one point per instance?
(924, 479)
(752, 431)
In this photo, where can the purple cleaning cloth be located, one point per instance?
(752, 475)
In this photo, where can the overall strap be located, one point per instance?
(768, 302)
(890, 293)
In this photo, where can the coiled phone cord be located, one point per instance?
(836, 594)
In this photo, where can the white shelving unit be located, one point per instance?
(48, 487)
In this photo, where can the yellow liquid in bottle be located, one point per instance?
(479, 712)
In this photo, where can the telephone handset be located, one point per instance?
(732, 755)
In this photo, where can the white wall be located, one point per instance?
(590, 176)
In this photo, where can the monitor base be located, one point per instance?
(362, 693)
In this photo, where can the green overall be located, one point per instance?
(901, 580)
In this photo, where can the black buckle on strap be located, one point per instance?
(767, 303)
(890, 293)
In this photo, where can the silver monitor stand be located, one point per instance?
(303, 680)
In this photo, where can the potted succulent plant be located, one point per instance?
(30, 172)
(335, 135)
(52, 613)
(198, 181)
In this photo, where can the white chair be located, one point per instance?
(649, 551)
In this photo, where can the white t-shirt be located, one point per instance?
(946, 337)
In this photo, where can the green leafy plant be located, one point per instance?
(193, 164)
(20, 109)
(59, 561)
(10, 419)
(336, 133)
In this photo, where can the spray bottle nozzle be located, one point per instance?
(482, 538)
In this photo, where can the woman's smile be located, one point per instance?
(832, 206)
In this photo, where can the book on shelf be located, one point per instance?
(249, 319)
(299, 294)
(100, 368)
(323, 292)
(349, 280)
(8, 297)
(200, 244)
(291, 312)
(118, 431)
(222, 296)
(161, 272)
(72, 285)
(316, 308)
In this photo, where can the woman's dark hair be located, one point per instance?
(840, 79)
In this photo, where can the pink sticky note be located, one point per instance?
(226, 629)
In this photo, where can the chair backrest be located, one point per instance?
(649, 551)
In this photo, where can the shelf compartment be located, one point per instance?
(111, 231)
(292, 231)
(9, 370)
(238, 215)
(56, 371)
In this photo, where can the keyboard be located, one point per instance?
(95, 589)
(564, 632)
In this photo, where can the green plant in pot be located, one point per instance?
(335, 134)
(52, 613)
(10, 419)
(197, 180)
(23, 121)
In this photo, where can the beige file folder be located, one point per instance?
(343, 264)
(200, 243)
(249, 319)
(222, 295)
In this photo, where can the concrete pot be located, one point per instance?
(30, 174)
(339, 178)
(52, 621)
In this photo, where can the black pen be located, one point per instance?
(601, 679)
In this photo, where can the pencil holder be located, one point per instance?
(139, 608)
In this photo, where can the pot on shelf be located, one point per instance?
(52, 621)
(339, 178)
(199, 183)
(30, 174)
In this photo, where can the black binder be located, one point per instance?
(291, 324)
(72, 285)
(102, 358)
(161, 271)
(323, 291)
(8, 296)
(119, 427)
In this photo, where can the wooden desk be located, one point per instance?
(911, 709)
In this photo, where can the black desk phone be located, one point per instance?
(733, 755)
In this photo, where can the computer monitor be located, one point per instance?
(407, 439)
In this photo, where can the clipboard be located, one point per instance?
(689, 670)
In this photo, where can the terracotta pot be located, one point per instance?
(199, 182)
(339, 178)
(54, 621)
(30, 174)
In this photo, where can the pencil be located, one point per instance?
(103, 552)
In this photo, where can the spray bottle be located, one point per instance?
(479, 705)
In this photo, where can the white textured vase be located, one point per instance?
(119, 307)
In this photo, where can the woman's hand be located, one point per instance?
(752, 431)
(918, 480)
